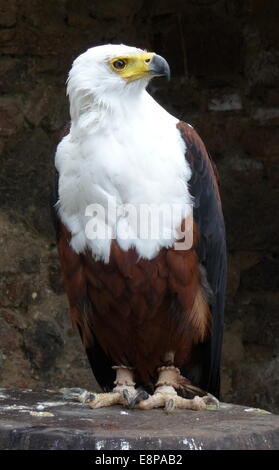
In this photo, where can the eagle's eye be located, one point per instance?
(119, 64)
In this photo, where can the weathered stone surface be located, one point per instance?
(262, 277)
(55, 275)
(43, 344)
(56, 358)
(260, 141)
(262, 53)
(225, 68)
(111, 9)
(225, 102)
(27, 174)
(10, 71)
(13, 290)
(8, 337)
(203, 36)
(8, 14)
(11, 119)
(38, 105)
(44, 420)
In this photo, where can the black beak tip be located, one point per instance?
(159, 67)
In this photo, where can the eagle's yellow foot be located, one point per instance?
(123, 392)
(126, 396)
(166, 396)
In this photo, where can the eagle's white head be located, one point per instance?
(103, 76)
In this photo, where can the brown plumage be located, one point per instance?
(136, 308)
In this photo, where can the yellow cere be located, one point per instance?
(132, 67)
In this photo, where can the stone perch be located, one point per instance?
(45, 420)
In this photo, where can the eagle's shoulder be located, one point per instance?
(197, 155)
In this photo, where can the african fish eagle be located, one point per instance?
(148, 304)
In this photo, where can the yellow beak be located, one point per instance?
(140, 65)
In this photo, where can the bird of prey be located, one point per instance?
(140, 236)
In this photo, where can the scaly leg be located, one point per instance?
(124, 390)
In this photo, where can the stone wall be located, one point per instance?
(224, 56)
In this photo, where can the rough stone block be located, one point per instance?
(264, 276)
(225, 102)
(111, 9)
(43, 344)
(8, 13)
(260, 141)
(13, 290)
(44, 420)
(11, 119)
(39, 104)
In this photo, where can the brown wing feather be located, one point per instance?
(211, 251)
(75, 284)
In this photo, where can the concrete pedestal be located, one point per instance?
(44, 420)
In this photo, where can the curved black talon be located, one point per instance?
(211, 400)
(78, 394)
(90, 397)
(72, 393)
(78, 390)
(141, 395)
(126, 396)
(169, 406)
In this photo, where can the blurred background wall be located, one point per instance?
(224, 56)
